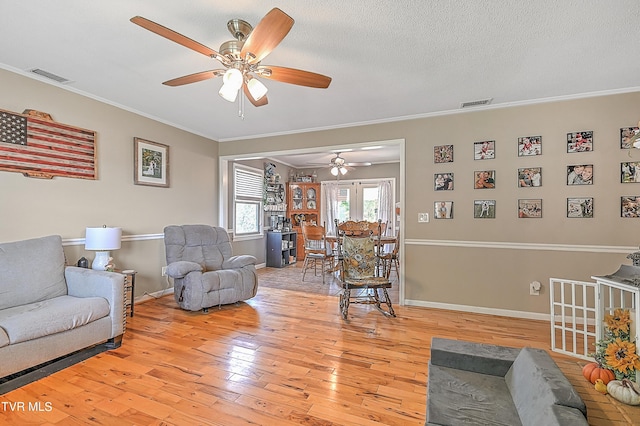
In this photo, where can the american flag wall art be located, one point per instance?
(37, 146)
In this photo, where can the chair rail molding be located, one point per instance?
(521, 246)
(125, 238)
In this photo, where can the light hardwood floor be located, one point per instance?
(284, 357)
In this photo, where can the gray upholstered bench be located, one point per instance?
(479, 384)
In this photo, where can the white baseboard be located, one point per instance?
(479, 310)
(154, 295)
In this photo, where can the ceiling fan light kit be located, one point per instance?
(256, 88)
(231, 83)
(337, 166)
(242, 57)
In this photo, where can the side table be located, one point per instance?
(129, 289)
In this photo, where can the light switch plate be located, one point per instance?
(423, 217)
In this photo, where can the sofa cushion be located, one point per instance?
(457, 397)
(536, 383)
(31, 271)
(27, 322)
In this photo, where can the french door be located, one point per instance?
(358, 200)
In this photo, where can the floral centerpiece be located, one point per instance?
(615, 351)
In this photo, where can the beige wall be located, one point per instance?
(461, 262)
(35, 207)
(467, 262)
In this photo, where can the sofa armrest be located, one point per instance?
(240, 261)
(537, 384)
(82, 282)
(470, 356)
(181, 268)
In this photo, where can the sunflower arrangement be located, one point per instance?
(615, 350)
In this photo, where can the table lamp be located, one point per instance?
(102, 240)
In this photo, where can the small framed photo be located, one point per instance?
(443, 154)
(529, 145)
(630, 206)
(626, 136)
(580, 141)
(484, 209)
(151, 163)
(443, 210)
(530, 208)
(529, 177)
(580, 174)
(443, 181)
(580, 207)
(484, 179)
(630, 172)
(485, 150)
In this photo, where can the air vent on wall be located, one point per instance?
(49, 75)
(476, 103)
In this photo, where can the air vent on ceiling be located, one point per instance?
(476, 103)
(50, 76)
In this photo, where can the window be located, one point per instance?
(247, 201)
(358, 201)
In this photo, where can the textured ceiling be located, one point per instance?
(388, 59)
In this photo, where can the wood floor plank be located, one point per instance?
(284, 357)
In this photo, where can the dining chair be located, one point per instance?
(316, 249)
(392, 258)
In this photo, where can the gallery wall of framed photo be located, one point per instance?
(571, 172)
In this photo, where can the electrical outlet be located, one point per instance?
(164, 271)
(534, 288)
(423, 217)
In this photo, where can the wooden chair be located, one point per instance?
(392, 259)
(316, 249)
(361, 227)
(360, 273)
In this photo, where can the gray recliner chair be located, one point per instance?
(205, 273)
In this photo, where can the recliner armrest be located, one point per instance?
(240, 261)
(181, 268)
(82, 282)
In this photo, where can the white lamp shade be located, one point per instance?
(232, 78)
(256, 88)
(334, 171)
(103, 238)
(228, 93)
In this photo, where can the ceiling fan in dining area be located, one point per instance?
(339, 166)
(242, 57)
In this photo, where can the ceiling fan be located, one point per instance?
(242, 57)
(339, 166)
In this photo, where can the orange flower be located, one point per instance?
(618, 322)
(621, 356)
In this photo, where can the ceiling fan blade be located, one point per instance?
(260, 102)
(174, 36)
(294, 76)
(267, 35)
(194, 78)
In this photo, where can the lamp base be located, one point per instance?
(101, 260)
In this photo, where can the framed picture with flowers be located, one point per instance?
(151, 163)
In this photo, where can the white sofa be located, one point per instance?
(48, 309)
